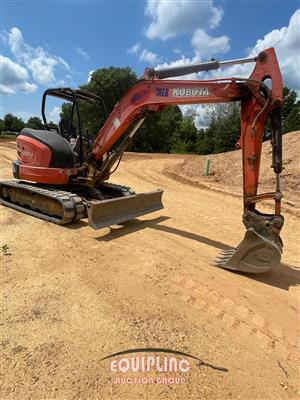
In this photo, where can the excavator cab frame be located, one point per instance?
(73, 96)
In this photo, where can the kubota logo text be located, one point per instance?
(190, 92)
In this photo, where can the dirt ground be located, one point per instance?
(72, 295)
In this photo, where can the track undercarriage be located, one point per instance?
(105, 205)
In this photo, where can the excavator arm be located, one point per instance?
(261, 248)
(258, 101)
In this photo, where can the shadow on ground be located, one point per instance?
(136, 225)
(283, 277)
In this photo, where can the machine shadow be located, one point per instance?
(76, 225)
(283, 277)
(136, 225)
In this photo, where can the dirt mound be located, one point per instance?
(226, 169)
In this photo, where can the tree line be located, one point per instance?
(12, 124)
(168, 131)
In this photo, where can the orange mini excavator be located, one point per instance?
(61, 174)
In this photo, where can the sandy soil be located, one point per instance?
(72, 295)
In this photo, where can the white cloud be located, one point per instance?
(40, 63)
(206, 45)
(144, 55)
(177, 51)
(54, 114)
(148, 56)
(25, 115)
(14, 77)
(172, 18)
(134, 50)
(286, 42)
(90, 75)
(201, 112)
(83, 53)
(183, 16)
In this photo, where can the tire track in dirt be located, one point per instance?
(236, 318)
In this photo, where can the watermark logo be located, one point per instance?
(153, 366)
(150, 363)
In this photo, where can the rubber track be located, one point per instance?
(125, 190)
(72, 205)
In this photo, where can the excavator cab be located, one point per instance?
(56, 154)
(71, 128)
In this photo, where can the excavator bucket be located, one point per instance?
(255, 254)
(103, 213)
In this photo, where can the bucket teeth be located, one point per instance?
(255, 254)
(221, 259)
(228, 252)
(224, 257)
(218, 263)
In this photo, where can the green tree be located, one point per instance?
(224, 127)
(290, 111)
(2, 125)
(292, 121)
(35, 123)
(185, 137)
(223, 131)
(205, 143)
(110, 84)
(13, 123)
(155, 135)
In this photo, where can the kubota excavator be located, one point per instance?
(61, 175)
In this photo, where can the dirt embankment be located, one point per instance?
(226, 171)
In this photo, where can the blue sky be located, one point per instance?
(58, 43)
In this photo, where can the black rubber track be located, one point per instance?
(72, 205)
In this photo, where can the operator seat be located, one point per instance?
(67, 129)
(62, 154)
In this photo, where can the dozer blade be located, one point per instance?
(255, 254)
(103, 213)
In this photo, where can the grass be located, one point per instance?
(6, 136)
(5, 249)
